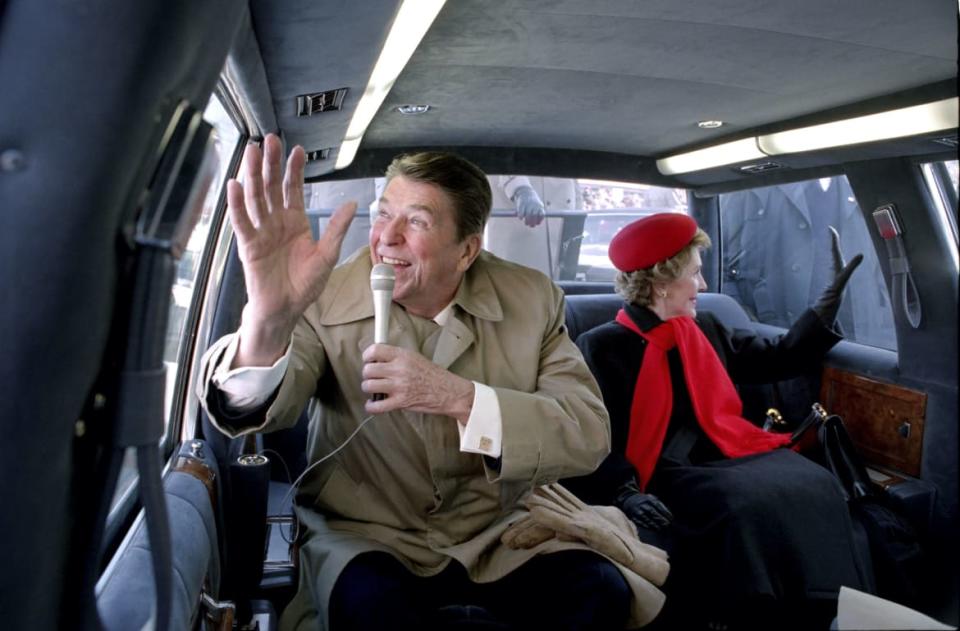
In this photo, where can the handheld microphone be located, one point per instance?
(381, 284)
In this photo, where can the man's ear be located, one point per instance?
(469, 250)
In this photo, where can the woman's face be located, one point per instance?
(679, 297)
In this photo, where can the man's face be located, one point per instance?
(415, 231)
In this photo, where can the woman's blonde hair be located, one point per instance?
(637, 287)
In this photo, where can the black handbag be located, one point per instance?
(895, 547)
(801, 434)
(841, 457)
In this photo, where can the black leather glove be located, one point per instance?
(643, 509)
(828, 304)
(529, 207)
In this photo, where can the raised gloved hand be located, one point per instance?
(643, 509)
(529, 207)
(604, 529)
(828, 304)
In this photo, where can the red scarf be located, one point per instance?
(715, 401)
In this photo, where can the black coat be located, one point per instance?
(615, 354)
(773, 526)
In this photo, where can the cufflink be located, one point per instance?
(485, 443)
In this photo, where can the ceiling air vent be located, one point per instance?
(758, 167)
(319, 154)
(329, 101)
(950, 141)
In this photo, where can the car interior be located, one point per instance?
(125, 508)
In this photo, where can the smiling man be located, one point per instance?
(485, 398)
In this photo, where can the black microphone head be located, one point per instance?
(382, 277)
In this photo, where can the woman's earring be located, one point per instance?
(662, 293)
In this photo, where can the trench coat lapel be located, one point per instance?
(455, 338)
(797, 197)
(350, 298)
(477, 297)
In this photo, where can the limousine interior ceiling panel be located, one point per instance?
(754, 65)
(328, 101)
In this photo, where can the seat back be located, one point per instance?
(582, 312)
(585, 311)
(126, 595)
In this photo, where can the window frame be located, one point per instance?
(185, 369)
(125, 502)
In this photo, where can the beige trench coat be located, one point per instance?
(402, 485)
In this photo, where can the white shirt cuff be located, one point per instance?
(483, 433)
(248, 387)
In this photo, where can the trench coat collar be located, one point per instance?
(348, 297)
(477, 294)
(795, 197)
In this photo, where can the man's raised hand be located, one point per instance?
(284, 268)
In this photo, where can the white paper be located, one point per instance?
(858, 610)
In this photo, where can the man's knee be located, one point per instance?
(585, 591)
(610, 595)
(373, 589)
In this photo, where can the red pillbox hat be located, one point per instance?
(650, 240)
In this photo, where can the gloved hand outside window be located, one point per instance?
(828, 304)
(529, 207)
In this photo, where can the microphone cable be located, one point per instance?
(300, 477)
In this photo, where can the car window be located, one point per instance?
(570, 243)
(610, 206)
(941, 180)
(226, 138)
(322, 198)
(776, 252)
(953, 170)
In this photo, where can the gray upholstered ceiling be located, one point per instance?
(627, 77)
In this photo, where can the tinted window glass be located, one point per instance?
(941, 180)
(953, 171)
(322, 198)
(610, 206)
(226, 138)
(569, 243)
(777, 256)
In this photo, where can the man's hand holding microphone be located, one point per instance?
(398, 378)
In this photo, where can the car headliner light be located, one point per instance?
(899, 123)
(719, 155)
(411, 24)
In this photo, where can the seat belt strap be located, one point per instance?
(904, 291)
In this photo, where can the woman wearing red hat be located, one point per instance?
(758, 534)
